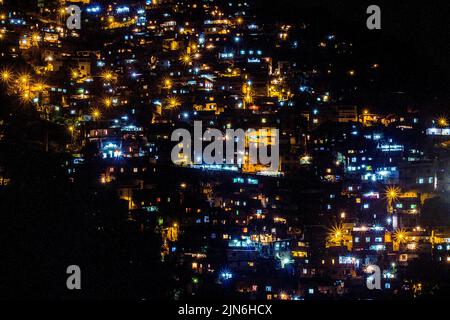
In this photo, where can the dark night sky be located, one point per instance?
(424, 25)
(414, 38)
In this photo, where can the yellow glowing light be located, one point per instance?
(248, 93)
(6, 75)
(36, 37)
(24, 78)
(96, 114)
(246, 89)
(107, 102)
(173, 102)
(400, 236)
(442, 121)
(392, 193)
(167, 83)
(336, 234)
(186, 59)
(25, 97)
(107, 75)
(40, 86)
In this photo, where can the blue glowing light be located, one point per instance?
(226, 275)
(122, 9)
(93, 9)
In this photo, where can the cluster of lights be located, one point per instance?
(23, 85)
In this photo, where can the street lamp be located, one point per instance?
(96, 114)
(5, 75)
(442, 121)
(173, 102)
(391, 194)
(107, 102)
(186, 59)
(336, 235)
(71, 129)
